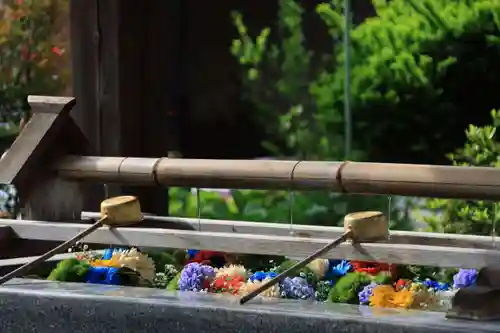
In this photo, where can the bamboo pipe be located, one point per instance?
(348, 177)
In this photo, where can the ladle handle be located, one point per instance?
(295, 267)
(57, 250)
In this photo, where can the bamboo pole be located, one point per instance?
(347, 177)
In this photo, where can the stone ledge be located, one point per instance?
(46, 307)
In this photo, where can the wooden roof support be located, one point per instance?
(50, 134)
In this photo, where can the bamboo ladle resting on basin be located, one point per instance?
(358, 227)
(115, 212)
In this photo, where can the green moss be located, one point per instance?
(70, 270)
(346, 289)
(383, 278)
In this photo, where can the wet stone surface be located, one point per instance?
(39, 306)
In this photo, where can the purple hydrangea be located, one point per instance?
(365, 294)
(297, 288)
(464, 278)
(196, 277)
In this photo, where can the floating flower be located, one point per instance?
(213, 258)
(297, 288)
(340, 269)
(192, 253)
(250, 286)
(323, 290)
(261, 275)
(402, 284)
(227, 283)
(386, 296)
(196, 277)
(382, 296)
(417, 286)
(435, 285)
(373, 268)
(402, 299)
(365, 294)
(464, 278)
(233, 271)
(104, 275)
(319, 267)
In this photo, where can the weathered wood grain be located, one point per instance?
(24, 260)
(312, 231)
(296, 247)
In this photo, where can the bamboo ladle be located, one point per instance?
(117, 211)
(359, 227)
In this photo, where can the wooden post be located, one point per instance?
(48, 135)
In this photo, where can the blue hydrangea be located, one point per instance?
(464, 278)
(365, 294)
(339, 268)
(195, 277)
(104, 275)
(435, 285)
(297, 288)
(261, 275)
(192, 253)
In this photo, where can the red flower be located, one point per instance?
(19, 3)
(401, 283)
(209, 258)
(373, 268)
(225, 283)
(57, 51)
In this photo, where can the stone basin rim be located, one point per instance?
(213, 302)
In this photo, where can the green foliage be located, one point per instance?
(464, 216)
(347, 288)
(309, 208)
(383, 278)
(287, 84)
(174, 283)
(70, 270)
(413, 68)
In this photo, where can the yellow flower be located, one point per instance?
(402, 299)
(385, 296)
(232, 271)
(382, 296)
(132, 259)
(113, 262)
(319, 267)
(250, 286)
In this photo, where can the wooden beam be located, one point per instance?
(296, 247)
(12, 262)
(312, 231)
